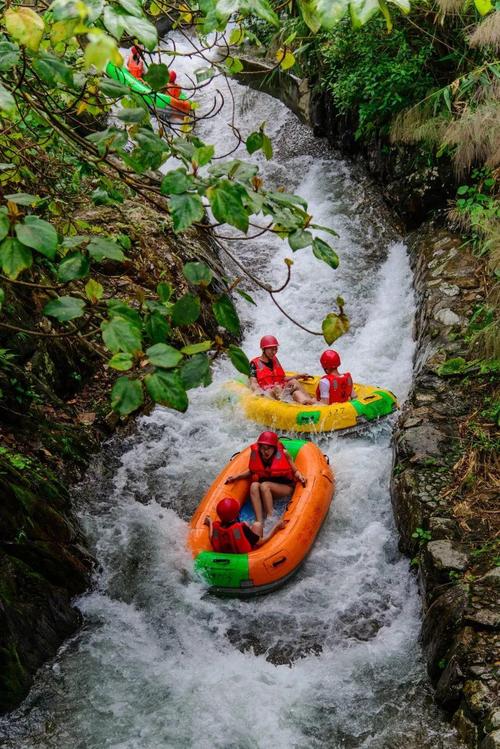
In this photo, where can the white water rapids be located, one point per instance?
(332, 659)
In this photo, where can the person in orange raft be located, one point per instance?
(333, 387)
(273, 476)
(135, 63)
(267, 376)
(230, 535)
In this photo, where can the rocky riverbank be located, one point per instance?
(444, 511)
(443, 492)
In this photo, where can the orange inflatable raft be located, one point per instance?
(268, 566)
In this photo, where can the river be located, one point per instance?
(332, 659)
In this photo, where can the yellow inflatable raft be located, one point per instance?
(370, 404)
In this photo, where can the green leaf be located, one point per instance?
(483, 6)
(38, 234)
(227, 207)
(239, 360)
(23, 198)
(334, 326)
(14, 257)
(132, 114)
(245, 296)
(117, 308)
(121, 335)
(126, 396)
(157, 327)
(196, 371)
(204, 74)
(164, 291)
(24, 26)
(105, 249)
(310, 15)
(142, 30)
(64, 308)
(299, 238)
(203, 155)
(176, 182)
(455, 366)
(186, 310)
(324, 228)
(185, 209)
(114, 89)
(197, 273)
(324, 252)
(134, 7)
(167, 388)
(197, 348)
(94, 290)
(7, 101)
(267, 147)
(254, 141)
(100, 50)
(114, 21)
(163, 355)
(157, 76)
(286, 59)
(263, 9)
(234, 65)
(226, 315)
(121, 362)
(73, 267)
(53, 70)
(9, 56)
(4, 223)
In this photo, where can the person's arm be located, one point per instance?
(298, 475)
(324, 391)
(302, 376)
(254, 385)
(245, 475)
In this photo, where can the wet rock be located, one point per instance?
(443, 528)
(442, 621)
(466, 729)
(478, 698)
(483, 609)
(447, 317)
(491, 741)
(445, 555)
(450, 684)
(493, 720)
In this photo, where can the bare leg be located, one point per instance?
(299, 395)
(256, 500)
(269, 491)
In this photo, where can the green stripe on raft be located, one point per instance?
(224, 570)
(380, 404)
(292, 446)
(122, 75)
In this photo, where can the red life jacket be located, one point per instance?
(135, 65)
(266, 377)
(340, 387)
(280, 465)
(231, 540)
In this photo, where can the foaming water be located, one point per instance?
(330, 660)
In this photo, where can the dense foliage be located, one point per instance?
(58, 147)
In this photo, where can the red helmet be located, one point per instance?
(329, 359)
(228, 509)
(172, 75)
(267, 341)
(268, 438)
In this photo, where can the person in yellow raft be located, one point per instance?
(334, 387)
(268, 377)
